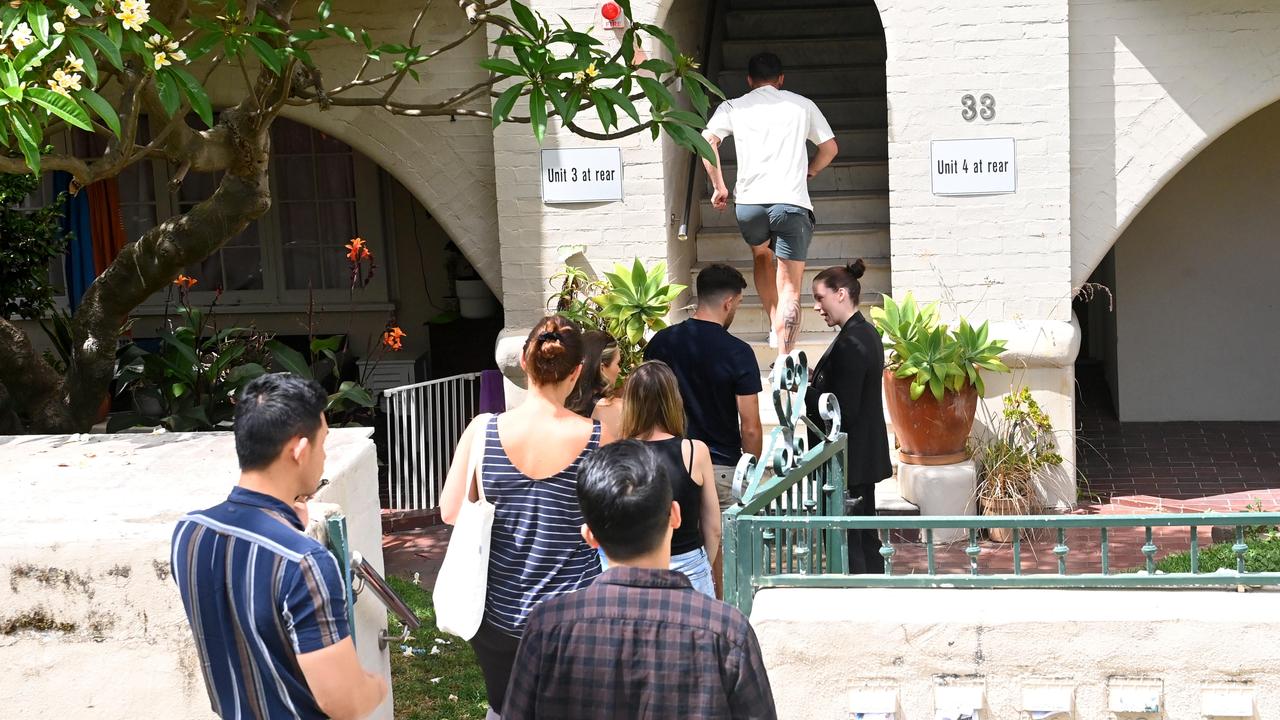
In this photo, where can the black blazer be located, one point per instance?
(851, 369)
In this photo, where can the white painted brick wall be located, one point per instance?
(997, 257)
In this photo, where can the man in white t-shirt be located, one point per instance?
(775, 215)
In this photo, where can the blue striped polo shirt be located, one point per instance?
(258, 593)
(536, 550)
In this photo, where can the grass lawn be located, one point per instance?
(431, 685)
(1263, 555)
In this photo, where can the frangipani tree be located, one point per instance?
(99, 68)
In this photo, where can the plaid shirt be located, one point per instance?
(638, 644)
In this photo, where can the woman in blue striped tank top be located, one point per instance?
(530, 469)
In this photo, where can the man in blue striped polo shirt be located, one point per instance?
(267, 603)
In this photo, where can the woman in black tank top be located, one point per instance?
(653, 412)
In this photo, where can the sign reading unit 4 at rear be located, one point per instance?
(580, 175)
(987, 166)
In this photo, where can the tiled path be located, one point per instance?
(1179, 467)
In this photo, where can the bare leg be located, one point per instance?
(763, 274)
(786, 322)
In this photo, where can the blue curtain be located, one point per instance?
(75, 220)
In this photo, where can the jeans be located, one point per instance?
(693, 564)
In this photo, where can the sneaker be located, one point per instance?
(773, 339)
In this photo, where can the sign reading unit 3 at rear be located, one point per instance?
(974, 167)
(581, 175)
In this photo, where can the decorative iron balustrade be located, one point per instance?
(790, 528)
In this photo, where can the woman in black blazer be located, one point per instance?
(851, 370)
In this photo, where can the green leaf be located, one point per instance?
(38, 19)
(664, 37)
(603, 108)
(310, 34)
(698, 98)
(621, 101)
(354, 392)
(324, 9)
(159, 27)
(566, 65)
(289, 360)
(538, 113)
(242, 374)
(203, 45)
(101, 108)
(704, 82)
(61, 106)
(196, 94)
(83, 52)
(267, 54)
(34, 54)
(502, 66)
(167, 88)
(27, 140)
(178, 389)
(506, 101)
(659, 96)
(654, 65)
(687, 118)
(526, 18)
(343, 30)
(109, 50)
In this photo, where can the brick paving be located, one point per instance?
(1128, 468)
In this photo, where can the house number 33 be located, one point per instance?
(984, 107)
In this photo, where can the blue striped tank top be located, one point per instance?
(536, 551)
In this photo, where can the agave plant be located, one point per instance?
(627, 304)
(933, 356)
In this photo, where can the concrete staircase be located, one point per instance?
(833, 53)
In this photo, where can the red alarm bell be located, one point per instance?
(613, 17)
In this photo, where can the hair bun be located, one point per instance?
(857, 268)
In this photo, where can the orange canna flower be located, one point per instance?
(186, 283)
(393, 338)
(357, 250)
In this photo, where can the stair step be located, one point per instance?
(842, 174)
(801, 22)
(842, 206)
(808, 51)
(752, 319)
(876, 278)
(861, 143)
(831, 240)
(866, 79)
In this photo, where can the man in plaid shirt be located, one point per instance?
(640, 642)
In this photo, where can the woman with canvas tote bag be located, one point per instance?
(529, 473)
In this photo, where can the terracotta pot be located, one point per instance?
(930, 432)
(1002, 506)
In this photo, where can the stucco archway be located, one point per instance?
(1153, 84)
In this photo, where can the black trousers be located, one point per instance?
(864, 545)
(496, 654)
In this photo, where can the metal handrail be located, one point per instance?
(370, 578)
(712, 29)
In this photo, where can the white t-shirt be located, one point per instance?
(770, 128)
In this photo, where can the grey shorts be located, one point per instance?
(724, 485)
(787, 228)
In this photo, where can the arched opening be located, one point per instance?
(1175, 382)
(833, 52)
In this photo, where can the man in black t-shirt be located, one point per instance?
(718, 375)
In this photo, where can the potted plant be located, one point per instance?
(1016, 447)
(933, 379)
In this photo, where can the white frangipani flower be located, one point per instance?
(161, 60)
(72, 12)
(74, 63)
(22, 37)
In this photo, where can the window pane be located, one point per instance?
(337, 224)
(327, 144)
(290, 138)
(302, 268)
(296, 178)
(243, 268)
(298, 224)
(336, 177)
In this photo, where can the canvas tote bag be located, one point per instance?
(464, 575)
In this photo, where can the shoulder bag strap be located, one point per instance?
(477, 456)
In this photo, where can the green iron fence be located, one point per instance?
(790, 528)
